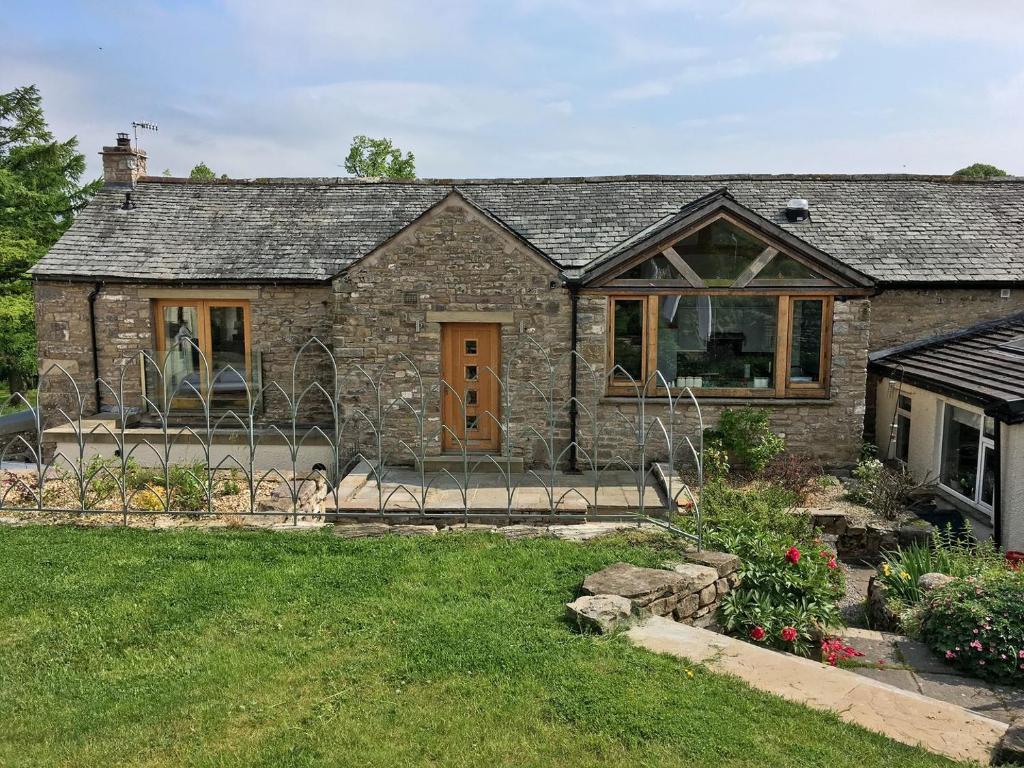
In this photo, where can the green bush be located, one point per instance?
(977, 624)
(790, 583)
(745, 436)
(187, 486)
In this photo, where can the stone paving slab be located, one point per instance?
(908, 664)
(402, 489)
(904, 716)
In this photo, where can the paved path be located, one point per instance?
(908, 664)
(902, 715)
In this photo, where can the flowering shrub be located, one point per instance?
(900, 570)
(977, 624)
(795, 472)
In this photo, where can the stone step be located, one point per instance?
(907, 717)
(478, 462)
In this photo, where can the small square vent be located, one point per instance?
(411, 298)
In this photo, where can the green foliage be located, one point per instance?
(977, 624)
(980, 171)
(187, 486)
(884, 489)
(900, 570)
(745, 436)
(379, 158)
(716, 460)
(266, 649)
(776, 592)
(201, 172)
(40, 191)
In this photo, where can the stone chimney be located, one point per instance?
(121, 164)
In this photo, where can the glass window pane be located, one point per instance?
(629, 338)
(719, 252)
(805, 344)
(905, 403)
(988, 477)
(471, 373)
(902, 438)
(990, 427)
(228, 365)
(470, 346)
(783, 268)
(656, 268)
(717, 341)
(470, 397)
(181, 361)
(961, 438)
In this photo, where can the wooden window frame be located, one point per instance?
(781, 386)
(203, 333)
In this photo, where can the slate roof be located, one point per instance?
(892, 228)
(983, 365)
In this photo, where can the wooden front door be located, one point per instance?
(471, 365)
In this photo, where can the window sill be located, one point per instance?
(758, 401)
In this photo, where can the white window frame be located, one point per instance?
(906, 413)
(984, 442)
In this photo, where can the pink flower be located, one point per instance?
(950, 655)
(789, 634)
(825, 553)
(975, 645)
(1020, 653)
(758, 634)
(793, 555)
(832, 563)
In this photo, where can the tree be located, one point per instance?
(980, 171)
(40, 191)
(379, 158)
(202, 172)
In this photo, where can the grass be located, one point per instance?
(126, 647)
(9, 405)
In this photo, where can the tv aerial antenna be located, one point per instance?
(144, 125)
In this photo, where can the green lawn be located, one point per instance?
(122, 647)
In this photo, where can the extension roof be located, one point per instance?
(894, 229)
(982, 365)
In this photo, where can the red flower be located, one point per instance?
(758, 634)
(789, 634)
(793, 555)
(832, 564)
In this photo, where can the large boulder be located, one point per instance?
(1011, 748)
(930, 581)
(601, 613)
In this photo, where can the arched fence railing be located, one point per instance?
(167, 417)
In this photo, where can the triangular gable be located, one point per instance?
(764, 254)
(459, 195)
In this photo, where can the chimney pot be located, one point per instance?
(123, 140)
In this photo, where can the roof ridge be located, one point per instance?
(530, 180)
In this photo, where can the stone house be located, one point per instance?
(769, 290)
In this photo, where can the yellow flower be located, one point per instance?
(886, 570)
(904, 575)
(689, 673)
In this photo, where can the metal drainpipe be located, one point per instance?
(92, 332)
(574, 296)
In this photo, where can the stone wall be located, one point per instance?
(689, 592)
(283, 317)
(453, 259)
(804, 423)
(901, 315)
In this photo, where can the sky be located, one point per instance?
(533, 88)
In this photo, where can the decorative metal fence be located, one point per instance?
(157, 405)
